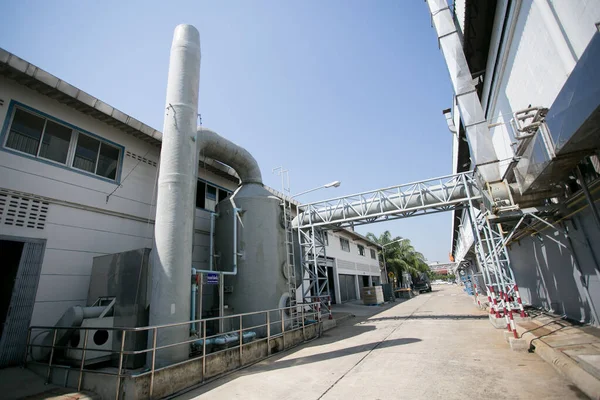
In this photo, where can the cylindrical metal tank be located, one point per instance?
(260, 283)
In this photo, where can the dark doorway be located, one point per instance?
(365, 280)
(331, 284)
(11, 257)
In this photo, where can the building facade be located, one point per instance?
(522, 54)
(78, 180)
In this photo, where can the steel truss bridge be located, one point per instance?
(447, 193)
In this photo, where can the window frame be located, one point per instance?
(216, 200)
(325, 239)
(342, 240)
(361, 250)
(75, 130)
(373, 254)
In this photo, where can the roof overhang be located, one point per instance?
(35, 78)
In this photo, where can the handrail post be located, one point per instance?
(268, 333)
(120, 364)
(27, 347)
(154, 334)
(282, 328)
(303, 330)
(85, 338)
(51, 357)
(241, 339)
(203, 350)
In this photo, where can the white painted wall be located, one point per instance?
(549, 38)
(81, 223)
(352, 263)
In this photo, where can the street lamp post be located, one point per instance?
(325, 186)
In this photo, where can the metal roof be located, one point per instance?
(33, 77)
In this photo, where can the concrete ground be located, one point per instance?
(23, 384)
(437, 345)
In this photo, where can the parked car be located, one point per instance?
(422, 283)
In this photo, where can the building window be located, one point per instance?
(345, 244)
(361, 250)
(373, 254)
(44, 138)
(208, 195)
(325, 238)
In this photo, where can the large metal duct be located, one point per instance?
(471, 112)
(211, 144)
(176, 198)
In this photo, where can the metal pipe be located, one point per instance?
(212, 241)
(176, 195)
(51, 357)
(193, 310)
(211, 144)
(588, 195)
(471, 112)
(200, 299)
(154, 332)
(120, 364)
(203, 350)
(221, 302)
(85, 339)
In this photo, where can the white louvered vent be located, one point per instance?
(140, 158)
(17, 209)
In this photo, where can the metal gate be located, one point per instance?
(347, 287)
(18, 317)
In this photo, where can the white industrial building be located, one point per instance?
(529, 58)
(78, 180)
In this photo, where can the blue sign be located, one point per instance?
(212, 279)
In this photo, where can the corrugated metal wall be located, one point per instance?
(347, 287)
(14, 335)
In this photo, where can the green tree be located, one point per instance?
(400, 256)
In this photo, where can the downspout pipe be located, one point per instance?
(175, 205)
(213, 145)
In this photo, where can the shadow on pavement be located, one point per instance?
(280, 363)
(445, 316)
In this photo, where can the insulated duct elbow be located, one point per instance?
(213, 145)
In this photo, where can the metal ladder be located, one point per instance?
(290, 259)
(290, 267)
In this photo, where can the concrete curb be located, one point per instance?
(586, 382)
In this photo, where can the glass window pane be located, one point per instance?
(86, 153)
(200, 194)
(25, 132)
(223, 194)
(108, 161)
(211, 192)
(55, 143)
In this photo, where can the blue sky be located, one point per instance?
(337, 90)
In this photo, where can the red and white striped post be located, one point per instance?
(504, 300)
(518, 296)
(329, 307)
(512, 326)
(495, 302)
(489, 296)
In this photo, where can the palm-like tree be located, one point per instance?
(400, 256)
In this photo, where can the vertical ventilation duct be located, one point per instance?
(173, 232)
(471, 113)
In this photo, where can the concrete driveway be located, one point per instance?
(435, 346)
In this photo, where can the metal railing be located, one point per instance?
(275, 320)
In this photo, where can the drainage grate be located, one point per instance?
(18, 209)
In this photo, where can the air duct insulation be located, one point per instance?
(471, 113)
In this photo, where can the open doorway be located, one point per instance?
(11, 252)
(21, 260)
